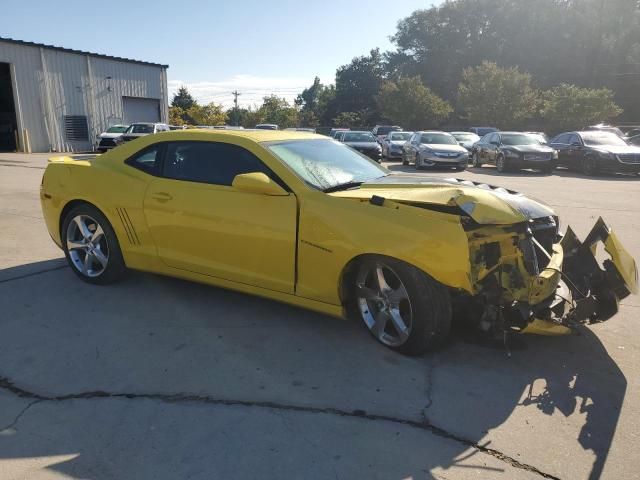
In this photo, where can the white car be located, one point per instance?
(392, 144)
(111, 138)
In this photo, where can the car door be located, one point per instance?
(575, 151)
(561, 144)
(200, 223)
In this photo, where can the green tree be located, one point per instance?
(211, 114)
(491, 95)
(568, 107)
(176, 116)
(357, 84)
(409, 103)
(277, 110)
(183, 99)
(589, 43)
(348, 120)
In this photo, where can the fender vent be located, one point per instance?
(132, 236)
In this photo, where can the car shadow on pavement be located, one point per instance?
(162, 349)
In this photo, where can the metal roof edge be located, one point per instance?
(81, 52)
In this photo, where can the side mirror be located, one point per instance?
(257, 182)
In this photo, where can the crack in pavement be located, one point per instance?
(8, 385)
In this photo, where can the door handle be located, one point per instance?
(161, 196)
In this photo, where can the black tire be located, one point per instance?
(475, 160)
(501, 164)
(115, 268)
(430, 306)
(588, 165)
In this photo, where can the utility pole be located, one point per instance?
(235, 103)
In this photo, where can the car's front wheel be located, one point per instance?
(501, 164)
(90, 246)
(475, 160)
(403, 307)
(588, 165)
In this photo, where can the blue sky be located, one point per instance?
(214, 47)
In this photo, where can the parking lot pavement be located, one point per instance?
(159, 378)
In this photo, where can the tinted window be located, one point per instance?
(564, 139)
(519, 139)
(146, 160)
(209, 162)
(140, 128)
(574, 139)
(358, 137)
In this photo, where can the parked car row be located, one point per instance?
(117, 134)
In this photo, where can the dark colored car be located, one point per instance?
(513, 151)
(482, 131)
(334, 131)
(364, 142)
(594, 151)
(434, 149)
(381, 131)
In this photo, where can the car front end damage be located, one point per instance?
(530, 278)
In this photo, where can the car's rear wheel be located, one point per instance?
(403, 307)
(91, 247)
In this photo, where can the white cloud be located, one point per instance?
(252, 89)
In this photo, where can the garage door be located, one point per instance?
(141, 109)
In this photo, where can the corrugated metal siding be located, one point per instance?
(52, 84)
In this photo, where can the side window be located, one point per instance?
(574, 139)
(561, 139)
(210, 162)
(416, 139)
(147, 160)
(495, 138)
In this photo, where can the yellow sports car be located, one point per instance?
(300, 218)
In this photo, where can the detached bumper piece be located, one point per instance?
(589, 290)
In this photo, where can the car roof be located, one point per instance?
(433, 131)
(257, 136)
(462, 132)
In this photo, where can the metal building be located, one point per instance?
(57, 99)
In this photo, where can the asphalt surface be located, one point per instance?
(159, 378)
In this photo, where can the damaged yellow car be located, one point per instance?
(306, 220)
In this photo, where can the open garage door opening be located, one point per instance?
(141, 109)
(8, 124)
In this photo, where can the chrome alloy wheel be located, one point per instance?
(384, 303)
(87, 246)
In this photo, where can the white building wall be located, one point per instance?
(54, 83)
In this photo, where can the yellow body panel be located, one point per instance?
(294, 244)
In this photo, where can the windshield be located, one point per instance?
(541, 138)
(140, 128)
(466, 137)
(602, 138)
(400, 136)
(519, 139)
(438, 139)
(358, 137)
(118, 129)
(325, 164)
(614, 130)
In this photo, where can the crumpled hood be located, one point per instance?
(486, 204)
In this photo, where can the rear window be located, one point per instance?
(386, 130)
(140, 128)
